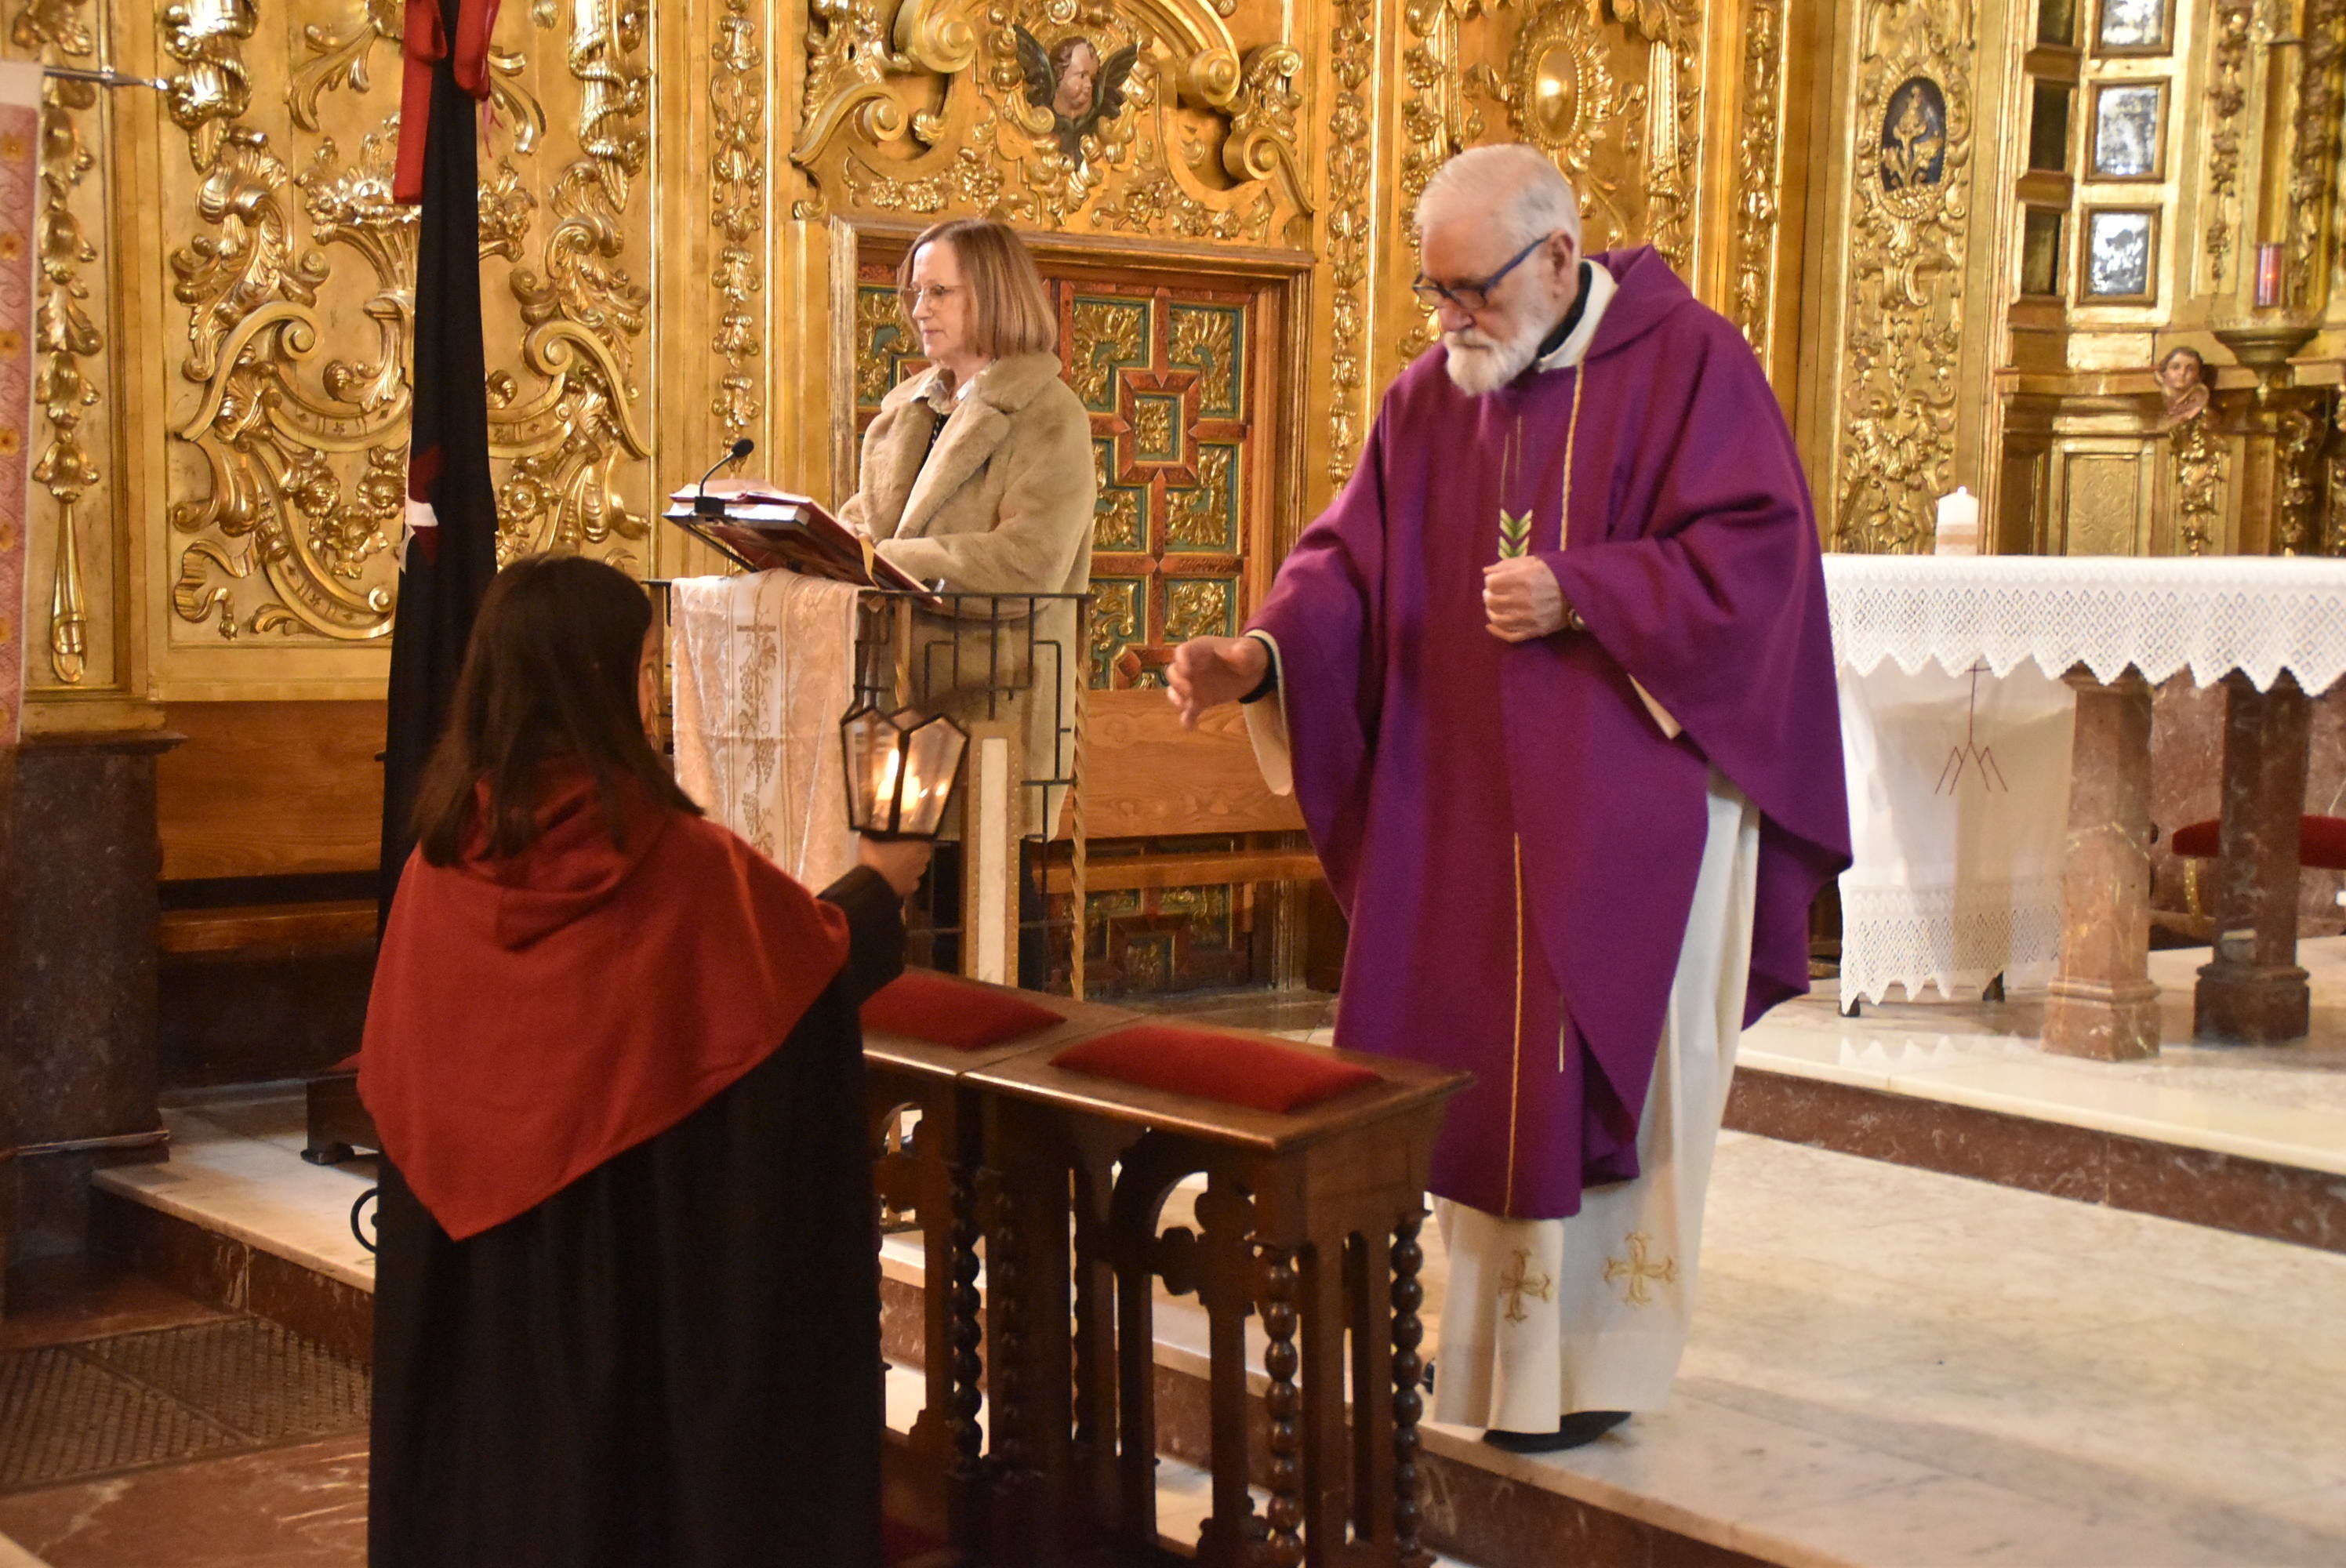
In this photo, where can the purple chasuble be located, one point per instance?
(1512, 836)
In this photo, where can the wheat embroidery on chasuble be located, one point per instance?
(1515, 542)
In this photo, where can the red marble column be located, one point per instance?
(2102, 1002)
(77, 969)
(2255, 992)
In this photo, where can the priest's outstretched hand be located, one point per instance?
(1208, 672)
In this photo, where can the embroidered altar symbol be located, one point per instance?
(1971, 754)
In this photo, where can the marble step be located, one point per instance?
(1889, 1368)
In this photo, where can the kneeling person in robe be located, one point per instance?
(627, 1304)
(1553, 686)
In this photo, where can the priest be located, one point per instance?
(1552, 683)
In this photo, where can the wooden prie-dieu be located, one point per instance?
(1308, 1222)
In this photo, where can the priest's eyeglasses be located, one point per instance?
(1472, 297)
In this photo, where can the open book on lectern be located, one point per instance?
(763, 529)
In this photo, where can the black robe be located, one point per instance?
(673, 1362)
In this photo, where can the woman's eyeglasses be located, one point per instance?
(1471, 297)
(938, 293)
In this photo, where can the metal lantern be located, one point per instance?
(900, 770)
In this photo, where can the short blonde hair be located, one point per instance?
(1010, 308)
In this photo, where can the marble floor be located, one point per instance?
(1889, 1368)
(2282, 1104)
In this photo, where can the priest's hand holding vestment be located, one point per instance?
(1521, 600)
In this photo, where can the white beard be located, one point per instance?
(1480, 363)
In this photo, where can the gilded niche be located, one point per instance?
(1910, 216)
(1143, 118)
(295, 269)
(1610, 89)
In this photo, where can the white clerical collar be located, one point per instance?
(1574, 349)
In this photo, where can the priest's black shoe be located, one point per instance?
(1578, 1428)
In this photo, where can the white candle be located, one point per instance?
(1958, 533)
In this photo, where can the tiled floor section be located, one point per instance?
(1890, 1367)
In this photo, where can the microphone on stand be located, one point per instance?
(704, 505)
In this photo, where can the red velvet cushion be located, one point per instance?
(944, 1011)
(2320, 841)
(2197, 842)
(1234, 1069)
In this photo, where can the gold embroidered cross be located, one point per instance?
(1636, 1270)
(1519, 1281)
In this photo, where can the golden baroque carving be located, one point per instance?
(1673, 32)
(581, 312)
(1757, 173)
(2314, 163)
(1199, 517)
(1003, 138)
(1198, 607)
(1436, 122)
(2296, 499)
(2333, 541)
(1909, 218)
(2199, 465)
(67, 334)
(2230, 23)
(1350, 220)
(274, 503)
(1631, 148)
(737, 167)
(304, 461)
(1106, 333)
(1562, 97)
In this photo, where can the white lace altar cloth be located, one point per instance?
(1958, 799)
(1956, 868)
(764, 672)
(2209, 614)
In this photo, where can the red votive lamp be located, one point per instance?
(2268, 277)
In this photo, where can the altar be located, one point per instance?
(1985, 845)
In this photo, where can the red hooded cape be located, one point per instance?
(535, 1016)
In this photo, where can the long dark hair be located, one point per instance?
(550, 677)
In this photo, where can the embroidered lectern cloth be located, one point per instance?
(764, 672)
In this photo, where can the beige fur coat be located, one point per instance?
(1002, 504)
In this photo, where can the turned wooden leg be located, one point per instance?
(962, 1472)
(1408, 1403)
(1281, 1400)
(2255, 992)
(2102, 1003)
(1005, 1292)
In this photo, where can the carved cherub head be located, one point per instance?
(1072, 80)
(1074, 65)
(2182, 377)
